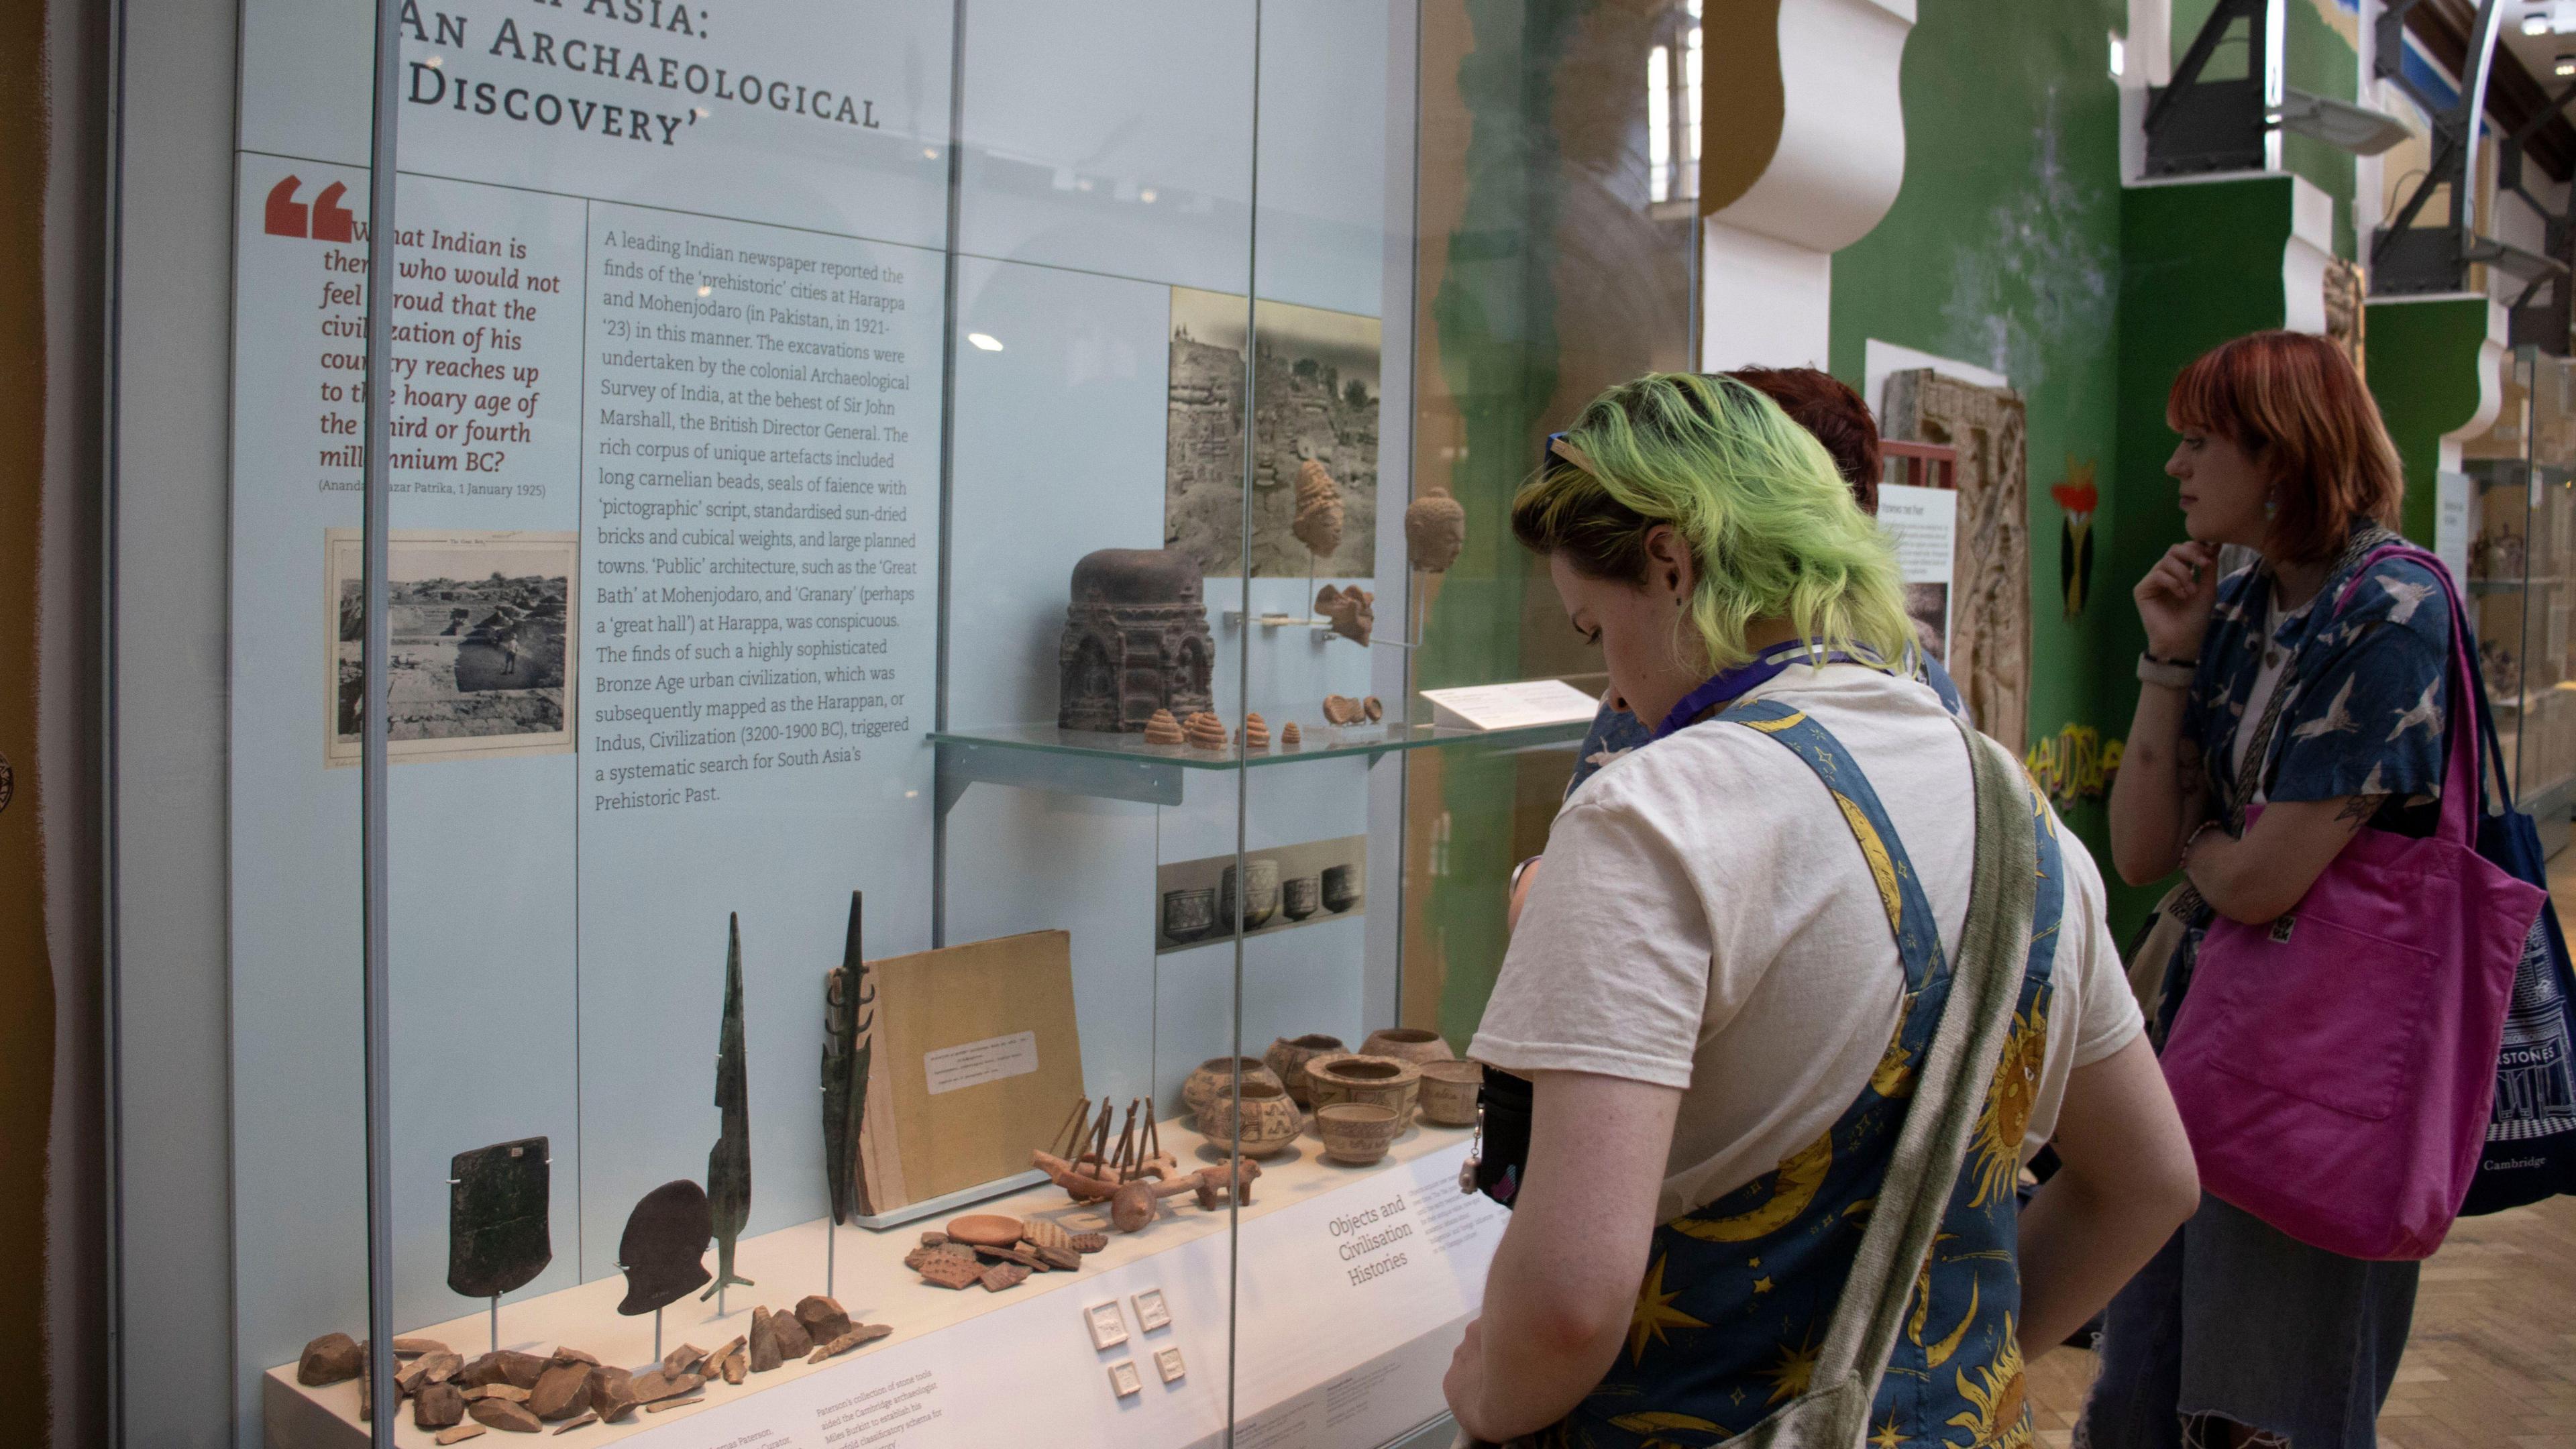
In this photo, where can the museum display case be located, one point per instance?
(955, 712)
(2521, 546)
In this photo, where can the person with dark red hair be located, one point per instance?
(2257, 689)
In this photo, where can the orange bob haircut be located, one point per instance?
(2294, 404)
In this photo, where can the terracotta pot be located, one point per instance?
(1188, 915)
(1269, 1120)
(1371, 1081)
(1449, 1092)
(1300, 897)
(1288, 1059)
(1358, 1133)
(1341, 888)
(1215, 1077)
(1414, 1044)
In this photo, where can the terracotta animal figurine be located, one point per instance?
(1353, 611)
(1088, 1169)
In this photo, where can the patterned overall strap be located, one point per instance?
(1739, 1293)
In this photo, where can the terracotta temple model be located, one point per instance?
(1135, 641)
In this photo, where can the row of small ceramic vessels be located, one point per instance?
(1363, 1100)
(1190, 914)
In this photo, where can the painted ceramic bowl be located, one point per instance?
(1341, 888)
(1267, 1120)
(1300, 897)
(1215, 1076)
(1260, 894)
(1358, 1133)
(1414, 1044)
(1189, 914)
(1288, 1059)
(1370, 1081)
(1449, 1092)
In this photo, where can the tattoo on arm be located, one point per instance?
(2359, 808)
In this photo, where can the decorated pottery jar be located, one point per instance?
(1260, 895)
(1267, 1119)
(1358, 1133)
(1189, 914)
(1414, 1044)
(1215, 1077)
(1449, 1092)
(1375, 1081)
(1300, 897)
(1341, 888)
(1288, 1058)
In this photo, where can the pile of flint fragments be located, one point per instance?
(522, 1393)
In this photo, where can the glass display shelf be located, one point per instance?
(1125, 767)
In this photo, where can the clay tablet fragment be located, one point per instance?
(438, 1406)
(764, 1342)
(563, 1392)
(1089, 1242)
(612, 1393)
(505, 1416)
(950, 1272)
(461, 1433)
(664, 1246)
(330, 1359)
(1044, 1233)
(823, 1318)
(497, 1236)
(1004, 1275)
(989, 1230)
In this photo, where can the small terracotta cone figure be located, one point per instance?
(1205, 731)
(1289, 738)
(1162, 729)
(1256, 733)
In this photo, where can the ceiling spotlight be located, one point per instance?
(1146, 196)
(2566, 65)
(2535, 24)
(985, 341)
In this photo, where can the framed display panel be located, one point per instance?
(814, 448)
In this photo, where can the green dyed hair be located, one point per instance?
(1770, 523)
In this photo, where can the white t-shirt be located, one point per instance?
(1706, 921)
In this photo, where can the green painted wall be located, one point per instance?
(2003, 250)
(2423, 369)
(2201, 263)
(2316, 59)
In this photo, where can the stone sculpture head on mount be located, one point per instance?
(497, 1232)
(1435, 529)
(1318, 520)
(664, 1247)
(1135, 641)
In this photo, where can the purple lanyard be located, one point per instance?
(1753, 673)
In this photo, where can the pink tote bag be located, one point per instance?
(2335, 1068)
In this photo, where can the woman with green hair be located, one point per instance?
(1730, 979)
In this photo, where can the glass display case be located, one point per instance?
(938, 584)
(2522, 579)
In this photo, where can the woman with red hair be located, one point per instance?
(2257, 689)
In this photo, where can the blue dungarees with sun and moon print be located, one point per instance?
(1738, 1294)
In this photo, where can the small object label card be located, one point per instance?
(1510, 706)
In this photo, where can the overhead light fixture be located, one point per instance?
(2340, 124)
(2566, 64)
(985, 341)
(2536, 23)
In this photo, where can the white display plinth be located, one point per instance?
(1350, 1288)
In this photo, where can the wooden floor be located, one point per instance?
(2492, 1362)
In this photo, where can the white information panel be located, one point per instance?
(1923, 523)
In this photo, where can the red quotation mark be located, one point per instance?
(329, 220)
